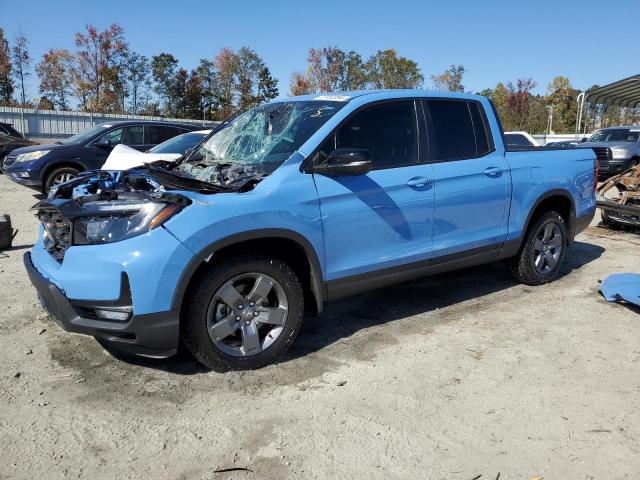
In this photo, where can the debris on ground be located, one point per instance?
(624, 208)
(621, 287)
(7, 234)
(42, 331)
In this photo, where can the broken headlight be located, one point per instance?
(112, 222)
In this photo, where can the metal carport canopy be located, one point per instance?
(623, 93)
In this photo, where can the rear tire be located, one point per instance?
(59, 175)
(230, 323)
(543, 252)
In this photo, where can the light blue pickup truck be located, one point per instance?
(298, 202)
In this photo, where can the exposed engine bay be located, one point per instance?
(104, 206)
(619, 198)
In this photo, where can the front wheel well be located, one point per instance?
(65, 164)
(286, 250)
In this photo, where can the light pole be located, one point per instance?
(549, 119)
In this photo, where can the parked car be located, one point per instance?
(295, 203)
(124, 158)
(43, 166)
(562, 143)
(519, 139)
(617, 149)
(10, 139)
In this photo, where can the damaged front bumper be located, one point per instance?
(152, 335)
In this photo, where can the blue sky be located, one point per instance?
(495, 40)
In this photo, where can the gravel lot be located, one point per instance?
(450, 377)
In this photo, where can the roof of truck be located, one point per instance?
(345, 96)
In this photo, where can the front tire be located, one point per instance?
(244, 313)
(544, 250)
(58, 176)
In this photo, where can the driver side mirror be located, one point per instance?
(104, 143)
(583, 140)
(346, 161)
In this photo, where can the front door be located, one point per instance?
(382, 219)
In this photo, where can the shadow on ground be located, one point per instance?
(344, 318)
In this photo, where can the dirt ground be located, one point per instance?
(461, 376)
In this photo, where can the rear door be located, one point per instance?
(472, 180)
(382, 219)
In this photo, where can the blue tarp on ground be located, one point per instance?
(621, 286)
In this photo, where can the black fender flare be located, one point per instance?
(512, 247)
(318, 285)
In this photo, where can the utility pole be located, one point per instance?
(549, 119)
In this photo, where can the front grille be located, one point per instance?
(57, 229)
(602, 153)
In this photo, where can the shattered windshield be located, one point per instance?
(258, 141)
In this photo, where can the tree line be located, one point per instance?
(103, 74)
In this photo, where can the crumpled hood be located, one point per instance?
(124, 158)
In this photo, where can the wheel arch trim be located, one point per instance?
(318, 286)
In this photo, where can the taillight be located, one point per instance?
(595, 174)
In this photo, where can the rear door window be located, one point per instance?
(160, 133)
(133, 135)
(387, 130)
(457, 130)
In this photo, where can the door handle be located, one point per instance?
(493, 172)
(419, 183)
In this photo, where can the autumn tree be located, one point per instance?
(385, 69)
(101, 56)
(450, 80)
(325, 68)
(55, 77)
(562, 97)
(519, 101)
(137, 78)
(6, 77)
(21, 64)
(299, 84)
(226, 64)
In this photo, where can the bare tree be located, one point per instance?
(21, 64)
